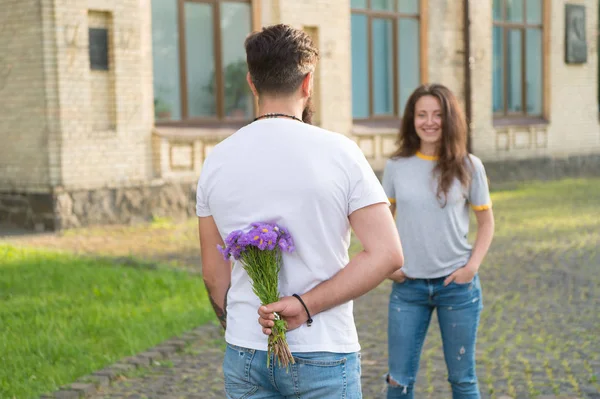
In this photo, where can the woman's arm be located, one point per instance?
(483, 240)
(398, 276)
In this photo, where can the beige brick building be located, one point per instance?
(108, 108)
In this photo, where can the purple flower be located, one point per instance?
(254, 236)
(224, 251)
(233, 237)
(270, 238)
(236, 251)
(262, 245)
(283, 245)
(244, 240)
(286, 243)
(264, 236)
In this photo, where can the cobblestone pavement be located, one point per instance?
(540, 328)
(539, 334)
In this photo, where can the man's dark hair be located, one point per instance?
(279, 57)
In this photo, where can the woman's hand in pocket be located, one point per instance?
(398, 276)
(464, 275)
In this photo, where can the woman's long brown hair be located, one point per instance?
(452, 153)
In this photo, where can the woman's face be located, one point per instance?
(428, 120)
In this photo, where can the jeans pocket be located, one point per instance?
(321, 375)
(236, 369)
(240, 391)
(328, 360)
(462, 284)
(401, 283)
(467, 283)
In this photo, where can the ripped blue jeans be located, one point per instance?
(458, 309)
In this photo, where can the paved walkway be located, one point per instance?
(539, 336)
(540, 328)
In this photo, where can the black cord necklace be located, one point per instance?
(265, 116)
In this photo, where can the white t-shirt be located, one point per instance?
(307, 180)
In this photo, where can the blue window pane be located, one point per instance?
(200, 62)
(408, 6)
(514, 58)
(383, 100)
(498, 10)
(514, 10)
(498, 69)
(385, 5)
(409, 73)
(360, 67)
(534, 11)
(358, 3)
(235, 26)
(534, 71)
(165, 59)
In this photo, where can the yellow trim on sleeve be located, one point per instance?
(392, 200)
(426, 157)
(481, 207)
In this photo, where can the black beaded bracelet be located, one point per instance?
(310, 320)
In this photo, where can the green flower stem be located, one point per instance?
(263, 269)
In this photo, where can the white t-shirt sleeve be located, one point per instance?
(479, 192)
(365, 188)
(202, 207)
(388, 182)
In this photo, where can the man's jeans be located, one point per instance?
(458, 309)
(315, 375)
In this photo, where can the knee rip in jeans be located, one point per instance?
(395, 384)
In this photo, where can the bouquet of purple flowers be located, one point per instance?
(259, 249)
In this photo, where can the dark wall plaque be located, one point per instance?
(575, 38)
(98, 49)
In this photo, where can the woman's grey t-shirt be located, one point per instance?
(434, 237)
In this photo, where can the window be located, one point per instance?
(98, 48)
(199, 60)
(385, 56)
(517, 58)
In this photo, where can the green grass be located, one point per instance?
(63, 316)
(549, 208)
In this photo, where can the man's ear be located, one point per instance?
(252, 87)
(307, 84)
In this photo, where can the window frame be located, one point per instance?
(506, 117)
(393, 16)
(218, 120)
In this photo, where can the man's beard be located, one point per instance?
(308, 112)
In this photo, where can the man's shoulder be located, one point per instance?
(334, 138)
(224, 146)
(324, 140)
(311, 136)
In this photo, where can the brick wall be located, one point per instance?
(24, 162)
(105, 141)
(574, 88)
(482, 131)
(573, 127)
(446, 47)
